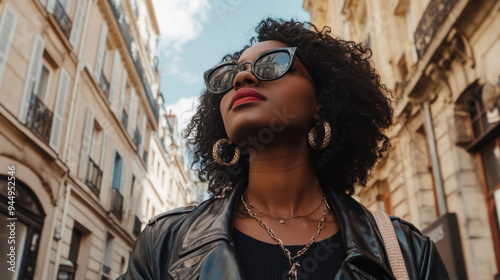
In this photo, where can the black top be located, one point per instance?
(262, 261)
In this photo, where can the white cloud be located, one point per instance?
(187, 77)
(184, 109)
(180, 22)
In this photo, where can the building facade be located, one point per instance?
(169, 171)
(79, 88)
(441, 59)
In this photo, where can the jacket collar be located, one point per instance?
(215, 223)
(212, 221)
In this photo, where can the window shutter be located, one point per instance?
(32, 77)
(132, 111)
(143, 134)
(77, 24)
(104, 149)
(50, 5)
(123, 188)
(114, 77)
(112, 166)
(101, 48)
(87, 138)
(122, 94)
(102, 160)
(7, 25)
(123, 178)
(57, 120)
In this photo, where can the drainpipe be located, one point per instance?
(436, 167)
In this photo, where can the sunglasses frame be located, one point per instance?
(290, 50)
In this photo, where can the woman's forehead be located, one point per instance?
(254, 51)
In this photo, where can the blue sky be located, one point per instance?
(197, 33)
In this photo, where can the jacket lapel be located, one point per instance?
(363, 244)
(206, 237)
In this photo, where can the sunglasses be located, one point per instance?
(270, 65)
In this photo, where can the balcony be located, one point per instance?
(94, 177)
(132, 47)
(106, 270)
(104, 84)
(137, 226)
(137, 137)
(124, 119)
(116, 203)
(434, 16)
(39, 119)
(62, 19)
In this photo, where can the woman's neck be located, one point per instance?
(282, 181)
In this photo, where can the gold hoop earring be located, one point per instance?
(326, 139)
(215, 152)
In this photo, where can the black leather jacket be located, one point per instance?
(196, 243)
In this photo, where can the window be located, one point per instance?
(132, 185)
(74, 247)
(490, 158)
(96, 142)
(42, 90)
(117, 173)
(108, 257)
(483, 105)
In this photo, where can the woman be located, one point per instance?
(285, 129)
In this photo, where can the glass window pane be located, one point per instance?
(42, 87)
(491, 165)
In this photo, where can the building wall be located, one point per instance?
(87, 123)
(448, 73)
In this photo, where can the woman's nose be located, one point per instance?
(245, 77)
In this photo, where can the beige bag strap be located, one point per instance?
(391, 244)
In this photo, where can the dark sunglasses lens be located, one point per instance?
(222, 78)
(272, 66)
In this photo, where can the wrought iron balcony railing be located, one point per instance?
(62, 19)
(137, 226)
(94, 177)
(137, 137)
(106, 269)
(116, 203)
(124, 119)
(104, 84)
(132, 46)
(434, 15)
(39, 119)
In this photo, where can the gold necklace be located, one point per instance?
(280, 218)
(294, 266)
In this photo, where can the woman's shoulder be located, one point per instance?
(174, 218)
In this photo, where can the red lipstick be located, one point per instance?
(245, 95)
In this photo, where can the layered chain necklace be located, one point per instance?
(280, 218)
(294, 263)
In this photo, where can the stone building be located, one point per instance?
(169, 170)
(79, 86)
(441, 59)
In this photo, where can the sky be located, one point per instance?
(196, 34)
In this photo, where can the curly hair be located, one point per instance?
(353, 100)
